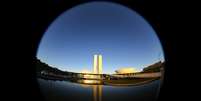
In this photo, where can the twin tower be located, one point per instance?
(98, 64)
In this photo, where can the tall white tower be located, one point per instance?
(98, 64)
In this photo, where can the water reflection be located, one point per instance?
(97, 89)
(97, 92)
(92, 82)
(69, 91)
(89, 81)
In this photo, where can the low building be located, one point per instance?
(89, 75)
(126, 70)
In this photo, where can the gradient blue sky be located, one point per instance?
(121, 35)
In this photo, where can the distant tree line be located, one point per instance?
(43, 67)
(156, 67)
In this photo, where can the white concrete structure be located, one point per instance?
(126, 70)
(98, 64)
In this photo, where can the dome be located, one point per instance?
(126, 70)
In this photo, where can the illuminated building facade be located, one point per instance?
(98, 64)
(126, 70)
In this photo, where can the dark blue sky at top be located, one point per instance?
(119, 34)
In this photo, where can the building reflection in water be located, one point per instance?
(97, 92)
(96, 89)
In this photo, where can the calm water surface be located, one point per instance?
(68, 91)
